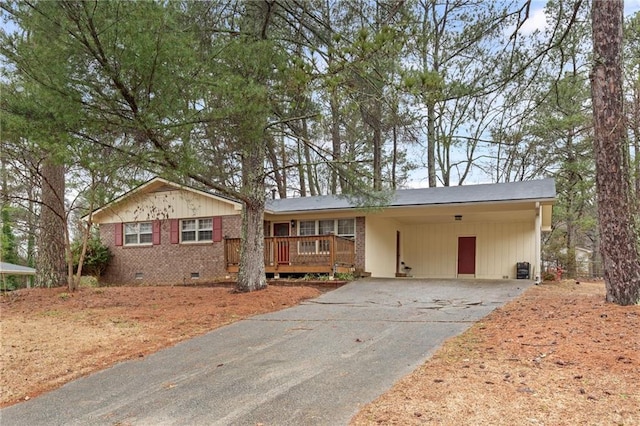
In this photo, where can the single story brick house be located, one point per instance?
(165, 233)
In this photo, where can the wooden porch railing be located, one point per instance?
(307, 254)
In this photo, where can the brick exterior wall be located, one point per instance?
(167, 263)
(360, 232)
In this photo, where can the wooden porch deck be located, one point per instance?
(312, 254)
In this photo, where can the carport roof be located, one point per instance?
(532, 190)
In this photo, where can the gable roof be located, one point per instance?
(543, 190)
(158, 183)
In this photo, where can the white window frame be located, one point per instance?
(197, 230)
(306, 248)
(350, 235)
(133, 229)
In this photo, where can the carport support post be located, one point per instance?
(537, 265)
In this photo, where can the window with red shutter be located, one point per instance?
(217, 229)
(174, 231)
(156, 232)
(118, 236)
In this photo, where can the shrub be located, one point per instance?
(96, 258)
(346, 276)
(548, 276)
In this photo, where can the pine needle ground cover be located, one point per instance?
(557, 355)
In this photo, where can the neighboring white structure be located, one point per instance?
(7, 269)
(584, 260)
(11, 269)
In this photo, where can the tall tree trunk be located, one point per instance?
(51, 262)
(301, 170)
(572, 182)
(431, 143)
(377, 144)
(278, 170)
(251, 275)
(635, 128)
(335, 142)
(8, 251)
(32, 226)
(394, 158)
(311, 177)
(619, 244)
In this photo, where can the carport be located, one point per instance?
(479, 231)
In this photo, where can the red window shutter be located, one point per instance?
(118, 234)
(156, 232)
(217, 228)
(175, 231)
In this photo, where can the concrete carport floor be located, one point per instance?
(313, 364)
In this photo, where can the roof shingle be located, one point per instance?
(542, 189)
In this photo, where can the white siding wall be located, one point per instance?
(380, 246)
(432, 249)
(167, 205)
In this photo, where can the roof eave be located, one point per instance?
(397, 206)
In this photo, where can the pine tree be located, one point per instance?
(619, 244)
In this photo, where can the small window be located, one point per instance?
(138, 233)
(307, 227)
(347, 228)
(189, 230)
(195, 275)
(196, 230)
(205, 229)
(326, 227)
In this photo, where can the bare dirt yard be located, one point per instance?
(558, 355)
(50, 336)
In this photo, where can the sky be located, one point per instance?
(536, 21)
(537, 18)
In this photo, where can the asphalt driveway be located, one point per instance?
(313, 364)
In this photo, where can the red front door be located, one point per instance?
(282, 248)
(466, 255)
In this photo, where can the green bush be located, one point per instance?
(96, 258)
(346, 276)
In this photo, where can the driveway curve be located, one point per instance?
(313, 364)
